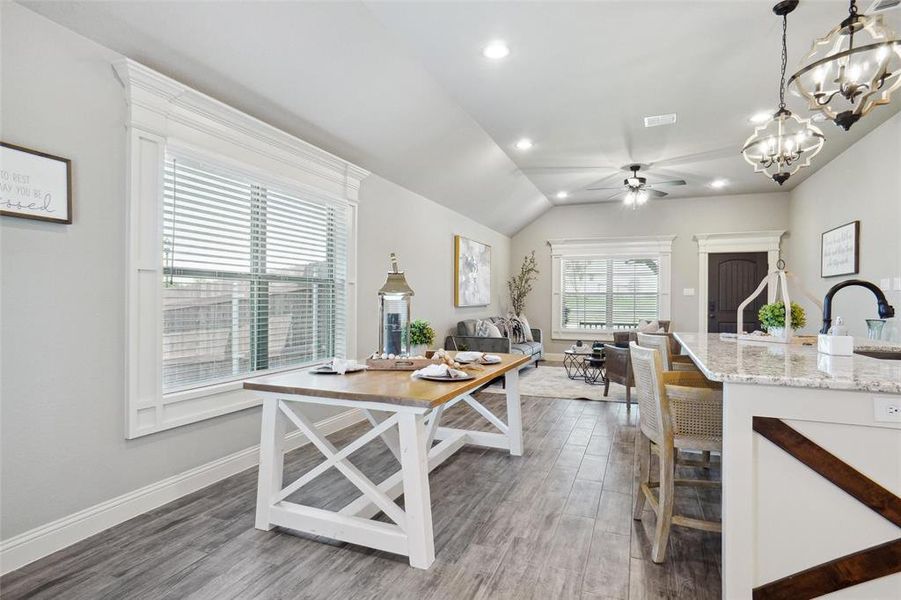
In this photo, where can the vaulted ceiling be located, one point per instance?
(402, 88)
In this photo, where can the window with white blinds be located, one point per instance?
(254, 276)
(609, 293)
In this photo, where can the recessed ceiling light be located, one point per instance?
(496, 50)
(562, 195)
(760, 117)
(718, 184)
(524, 144)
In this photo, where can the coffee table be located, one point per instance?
(575, 363)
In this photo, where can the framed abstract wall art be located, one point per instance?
(472, 272)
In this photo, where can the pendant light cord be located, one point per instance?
(784, 61)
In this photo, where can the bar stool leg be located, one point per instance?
(665, 503)
(643, 456)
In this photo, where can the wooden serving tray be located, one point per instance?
(397, 364)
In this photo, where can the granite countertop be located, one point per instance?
(792, 365)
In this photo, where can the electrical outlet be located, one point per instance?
(688, 291)
(887, 409)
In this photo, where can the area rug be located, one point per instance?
(552, 382)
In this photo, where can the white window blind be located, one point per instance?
(609, 293)
(254, 276)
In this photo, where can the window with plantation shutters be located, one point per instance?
(254, 276)
(609, 292)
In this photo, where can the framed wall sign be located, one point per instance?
(840, 250)
(35, 185)
(472, 272)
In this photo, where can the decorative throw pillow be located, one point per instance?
(487, 329)
(526, 328)
(649, 327)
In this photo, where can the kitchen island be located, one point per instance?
(811, 468)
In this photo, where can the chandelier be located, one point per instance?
(851, 70)
(785, 143)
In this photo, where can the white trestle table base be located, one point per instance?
(406, 416)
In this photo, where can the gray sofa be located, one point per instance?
(465, 339)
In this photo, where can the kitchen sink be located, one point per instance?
(881, 354)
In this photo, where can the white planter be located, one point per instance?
(419, 349)
(778, 332)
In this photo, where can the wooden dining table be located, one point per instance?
(405, 414)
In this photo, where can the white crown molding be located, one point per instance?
(758, 241)
(163, 106)
(42, 541)
(650, 244)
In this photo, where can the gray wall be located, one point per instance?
(421, 232)
(863, 183)
(683, 217)
(62, 435)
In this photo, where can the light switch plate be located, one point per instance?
(688, 291)
(887, 409)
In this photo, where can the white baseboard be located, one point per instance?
(27, 547)
(555, 356)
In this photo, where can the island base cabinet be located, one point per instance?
(807, 476)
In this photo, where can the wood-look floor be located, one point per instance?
(555, 523)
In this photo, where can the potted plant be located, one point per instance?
(520, 285)
(772, 318)
(421, 337)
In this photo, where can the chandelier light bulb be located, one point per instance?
(865, 56)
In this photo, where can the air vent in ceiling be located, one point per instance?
(658, 120)
(883, 5)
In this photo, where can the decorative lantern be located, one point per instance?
(394, 313)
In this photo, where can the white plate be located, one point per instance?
(434, 378)
(481, 362)
(327, 370)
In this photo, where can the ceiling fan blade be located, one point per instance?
(670, 182)
(615, 196)
(614, 187)
(657, 193)
(696, 157)
(596, 168)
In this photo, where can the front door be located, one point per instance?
(732, 277)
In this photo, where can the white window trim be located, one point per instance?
(659, 246)
(741, 241)
(163, 112)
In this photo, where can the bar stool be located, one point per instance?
(663, 343)
(678, 410)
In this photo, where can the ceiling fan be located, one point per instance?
(636, 190)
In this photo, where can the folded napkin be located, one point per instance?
(439, 371)
(477, 357)
(342, 366)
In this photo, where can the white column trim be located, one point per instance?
(768, 241)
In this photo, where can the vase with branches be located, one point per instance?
(521, 284)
